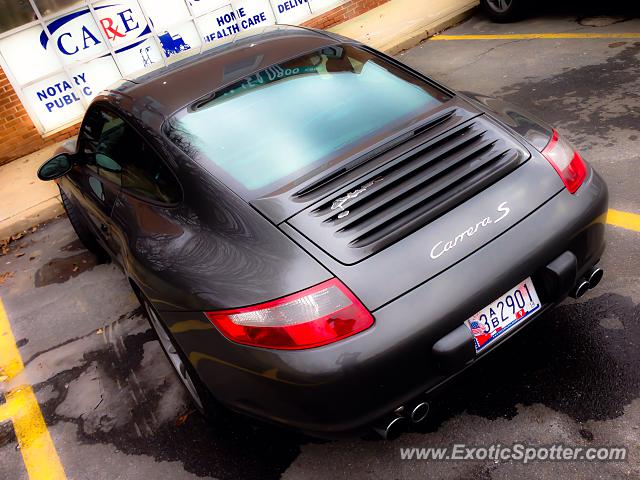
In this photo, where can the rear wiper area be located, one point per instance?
(377, 149)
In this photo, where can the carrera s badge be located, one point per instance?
(442, 247)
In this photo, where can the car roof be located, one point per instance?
(169, 89)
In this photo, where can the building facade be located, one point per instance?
(56, 55)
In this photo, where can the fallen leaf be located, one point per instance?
(99, 331)
(18, 255)
(183, 418)
(4, 276)
(76, 268)
(32, 257)
(34, 229)
(17, 236)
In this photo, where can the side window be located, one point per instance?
(109, 154)
(146, 175)
(101, 143)
(122, 156)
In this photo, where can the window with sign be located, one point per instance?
(76, 48)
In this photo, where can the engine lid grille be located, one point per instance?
(411, 190)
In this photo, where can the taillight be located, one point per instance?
(566, 161)
(319, 315)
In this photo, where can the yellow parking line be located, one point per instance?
(21, 407)
(4, 413)
(630, 221)
(10, 361)
(530, 36)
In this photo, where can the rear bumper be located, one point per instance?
(349, 384)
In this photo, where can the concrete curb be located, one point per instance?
(402, 24)
(429, 31)
(26, 201)
(40, 213)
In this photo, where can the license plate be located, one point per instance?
(503, 314)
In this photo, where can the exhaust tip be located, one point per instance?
(580, 289)
(392, 429)
(419, 412)
(595, 277)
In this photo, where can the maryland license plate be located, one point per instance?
(503, 314)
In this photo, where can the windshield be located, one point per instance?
(287, 120)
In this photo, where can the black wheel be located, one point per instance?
(84, 233)
(503, 11)
(199, 394)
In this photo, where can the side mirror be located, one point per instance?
(56, 167)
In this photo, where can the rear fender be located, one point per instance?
(535, 131)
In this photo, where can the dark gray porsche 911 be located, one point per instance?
(322, 236)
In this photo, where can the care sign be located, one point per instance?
(76, 35)
(60, 64)
(57, 99)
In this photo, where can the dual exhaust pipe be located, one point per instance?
(392, 426)
(590, 280)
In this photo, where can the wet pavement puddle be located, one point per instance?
(59, 270)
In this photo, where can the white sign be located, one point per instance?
(55, 100)
(58, 100)
(95, 76)
(253, 13)
(219, 26)
(291, 11)
(203, 6)
(180, 40)
(121, 22)
(172, 12)
(75, 36)
(38, 62)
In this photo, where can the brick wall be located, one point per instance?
(18, 135)
(341, 13)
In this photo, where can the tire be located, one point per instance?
(503, 11)
(82, 230)
(199, 394)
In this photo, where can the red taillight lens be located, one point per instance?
(567, 162)
(319, 315)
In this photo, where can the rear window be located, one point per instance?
(280, 123)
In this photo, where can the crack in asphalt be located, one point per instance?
(495, 47)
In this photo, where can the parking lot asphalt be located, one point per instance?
(114, 408)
